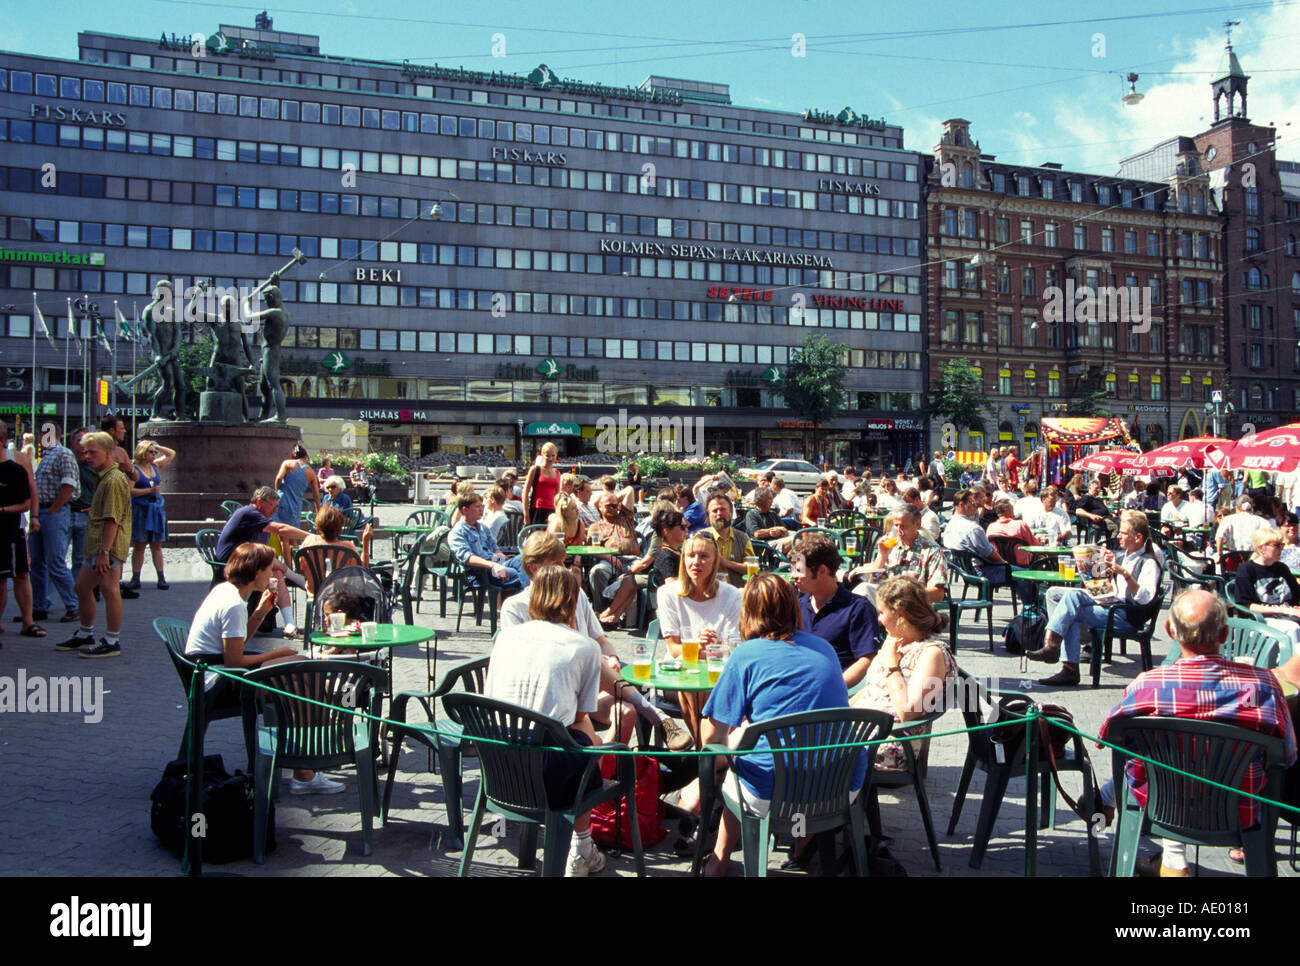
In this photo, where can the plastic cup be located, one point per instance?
(337, 621)
(369, 632)
(751, 566)
(641, 655)
(716, 656)
(851, 542)
(691, 651)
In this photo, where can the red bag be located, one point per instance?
(649, 809)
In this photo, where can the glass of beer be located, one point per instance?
(641, 654)
(1060, 565)
(887, 542)
(716, 656)
(691, 651)
(851, 542)
(751, 566)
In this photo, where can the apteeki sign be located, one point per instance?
(542, 78)
(848, 117)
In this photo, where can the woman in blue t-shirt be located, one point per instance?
(778, 670)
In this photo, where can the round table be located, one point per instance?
(1039, 579)
(692, 677)
(587, 550)
(389, 635)
(1043, 548)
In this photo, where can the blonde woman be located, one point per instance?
(565, 523)
(906, 677)
(463, 488)
(542, 484)
(148, 516)
(700, 609)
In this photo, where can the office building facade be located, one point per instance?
(489, 256)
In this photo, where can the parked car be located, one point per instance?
(799, 474)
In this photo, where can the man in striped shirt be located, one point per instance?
(1204, 686)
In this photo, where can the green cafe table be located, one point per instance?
(1045, 549)
(388, 636)
(395, 534)
(1040, 579)
(691, 678)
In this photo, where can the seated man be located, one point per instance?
(764, 523)
(1237, 530)
(929, 520)
(1092, 509)
(587, 511)
(472, 544)
(1203, 686)
(1136, 576)
(844, 620)
(253, 524)
(545, 549)
(495, 518)
(964, 533)
(733, 546)
(1029, 505)
(786, 503)
(548, 667)
(615, 531)
(905, 551)
(1052, 517)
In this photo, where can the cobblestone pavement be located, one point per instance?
(74, 799)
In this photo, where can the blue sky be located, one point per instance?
(1045, 91)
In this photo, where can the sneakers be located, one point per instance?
(579, 866)
(75, 643)
(676, 737)
(162, 584)
(319, 785)
(102, 649)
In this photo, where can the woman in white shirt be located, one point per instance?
(222, 624)
(699, 608)
(1173, 515)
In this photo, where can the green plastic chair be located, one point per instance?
(1238, 609)
(960, 605)
(428, 517)
(808, 531)
(845, 519)
(441, 737)
(228, 507)
(1250, 642)
(205, 541)
(913, 774)
(511, 783)
(809, 788)
(769, 558)
(295, 734)
(1110, 634)
(1188, 810)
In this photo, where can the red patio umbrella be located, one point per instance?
(1186, 452)
(1107, 461)
(1276, 450)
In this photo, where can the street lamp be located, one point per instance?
(1217, 407)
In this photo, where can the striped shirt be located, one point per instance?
(1210, 688)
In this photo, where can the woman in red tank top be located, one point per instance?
(541, 485)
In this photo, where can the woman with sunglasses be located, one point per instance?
(1266, 585)
(148, 516)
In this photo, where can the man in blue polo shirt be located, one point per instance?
(830, 611)
(473, 546)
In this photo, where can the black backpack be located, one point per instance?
(1026, 632)
(227, 805)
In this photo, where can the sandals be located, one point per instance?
(33, 630)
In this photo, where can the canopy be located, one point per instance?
(1275, 450)
(1185, 452)
(1066, 438)
(1107, 461)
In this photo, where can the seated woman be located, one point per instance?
(361, 481)
(1136, 583)
(907, 675)
(698, 608)
(326, 469)
(906, 551)
(334, 494)
(1267, 586)
(1291, 549)
(779, 670)
(817, 507)
(329, 533)
(663, 559)
(222, 624)
(565, 522)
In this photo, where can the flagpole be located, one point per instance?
(67, 336)
(33, 365)
(135, 336)
(114, 353)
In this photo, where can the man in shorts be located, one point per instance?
(108, 537)
(15, 499)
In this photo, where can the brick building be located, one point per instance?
(1059, 285)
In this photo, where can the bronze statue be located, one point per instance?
(229, 364)
(273, 323)
(162, 328)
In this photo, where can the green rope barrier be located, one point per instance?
(1177, 771)
(428, 727)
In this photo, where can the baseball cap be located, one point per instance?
(695, 518)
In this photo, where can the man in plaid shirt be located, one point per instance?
(57, 482)
(1206, 687)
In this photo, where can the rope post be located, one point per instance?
(1031, 791)
(192, 862)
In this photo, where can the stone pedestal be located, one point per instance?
(225, 408)
(215, 463)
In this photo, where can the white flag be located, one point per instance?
(72, 331)
(123, 326)
(40, 320)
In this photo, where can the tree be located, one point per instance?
(1089, 402)
(813, 385)
(959, 398)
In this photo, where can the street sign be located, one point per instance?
(1216, 396)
